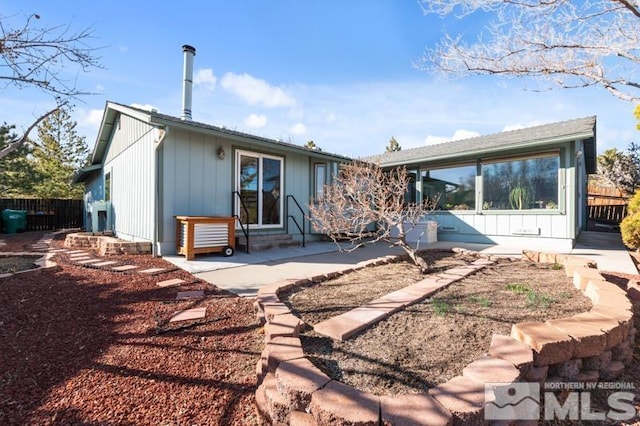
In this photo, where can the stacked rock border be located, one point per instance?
(105, 244)
(587, 347)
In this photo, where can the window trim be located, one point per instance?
(236, 205)
(559, 184)
(316, 167)
(473, 164)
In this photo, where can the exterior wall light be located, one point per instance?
(220, 153)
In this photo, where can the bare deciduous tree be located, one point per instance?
(365, 205)
(47, 58)
(567, 43)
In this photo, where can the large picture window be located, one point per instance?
(452, 188)
(521, 184)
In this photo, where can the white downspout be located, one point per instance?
(161, 135)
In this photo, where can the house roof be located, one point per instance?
(531, 137)
(155, 118)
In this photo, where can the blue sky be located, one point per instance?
(340, 73)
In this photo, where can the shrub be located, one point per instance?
(630, 230)
(634, 204)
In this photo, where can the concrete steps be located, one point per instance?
(265, 242)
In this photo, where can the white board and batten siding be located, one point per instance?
(489, 227)
(130, 160)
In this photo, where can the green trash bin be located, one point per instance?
(14, 221)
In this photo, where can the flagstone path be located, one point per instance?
(89, 259)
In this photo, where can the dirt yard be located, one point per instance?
(429, 342)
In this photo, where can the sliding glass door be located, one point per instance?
(259, 182)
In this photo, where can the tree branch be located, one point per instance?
(25, 137)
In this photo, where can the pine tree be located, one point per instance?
(393, 146)
(58, 155)
(16, 179)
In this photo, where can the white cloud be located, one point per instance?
(99, 88)
(205, 78)
(123, 48)
(256, 91)
(457, 135)
(92, 117)
(145, 107)
(255, 120)
(298, 129)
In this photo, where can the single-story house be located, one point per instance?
(527, 186)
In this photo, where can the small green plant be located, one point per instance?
(519, 288)
(557, 266)
(542, 300)
(483, 301)
(440, 307)
(534, 299)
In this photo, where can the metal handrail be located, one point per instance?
(246, 211)
(302, 230)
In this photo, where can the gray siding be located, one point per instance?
(196, 182)
(130, 161)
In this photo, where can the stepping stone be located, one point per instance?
(76, 251)
(124, 268)
(84, 262)
(186, 295)
(170, 283)
(105, 263)
(80, 258)
(189, 314)
(151, 270)
(58, 250)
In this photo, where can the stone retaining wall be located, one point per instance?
(105, 244)
(44, 262)
(585, 347)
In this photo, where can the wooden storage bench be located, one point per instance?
(205, 234)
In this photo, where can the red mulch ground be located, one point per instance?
(89, 346)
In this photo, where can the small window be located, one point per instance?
(410, 197)
(107, 187)
(319, 181)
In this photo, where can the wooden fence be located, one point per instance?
(606, 205)
(47, 214)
